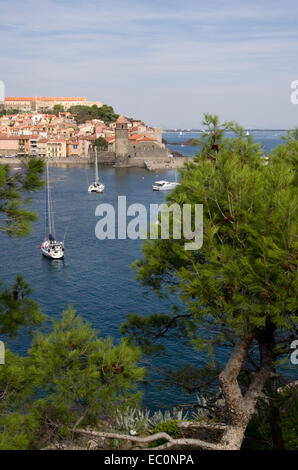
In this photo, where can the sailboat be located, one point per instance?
(97, 186)
(50, 247)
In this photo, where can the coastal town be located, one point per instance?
(47, 127)
(148, 231)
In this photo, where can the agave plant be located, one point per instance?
(137, 420)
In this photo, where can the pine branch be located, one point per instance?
(181, 442)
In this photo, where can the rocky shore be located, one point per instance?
(175, 162)
(191, 142)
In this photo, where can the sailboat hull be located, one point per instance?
(52, 256)
(96, 188)
(53, 252)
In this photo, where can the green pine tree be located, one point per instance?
(16, 308)
(239, 289)
(70, 378)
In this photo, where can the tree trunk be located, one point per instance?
(241, 408)
(233, 437)
(276, 427)
(275, 418)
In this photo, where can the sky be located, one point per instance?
(165, 62)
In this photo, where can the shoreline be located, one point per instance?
(18, 161)
(154, 165)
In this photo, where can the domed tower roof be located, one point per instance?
(122, 120)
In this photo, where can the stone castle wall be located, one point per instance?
(106, 158)
(146, 150)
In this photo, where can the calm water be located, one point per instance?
(95, 276)
(268, 140)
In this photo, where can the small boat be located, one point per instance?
(50, 247)
(164, 185)
(97, 186)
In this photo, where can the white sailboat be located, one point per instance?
(50, 247)
(97, 186)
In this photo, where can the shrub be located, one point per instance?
(170, 427)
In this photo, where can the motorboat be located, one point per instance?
(164, 185)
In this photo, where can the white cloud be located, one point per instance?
(145, 57)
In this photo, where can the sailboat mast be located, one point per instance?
(50, 209)
(49, 202)
(96, 167)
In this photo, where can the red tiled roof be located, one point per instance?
(14, 137)
(139, 136)
(135, 136)
(121, 119)
(147, 139)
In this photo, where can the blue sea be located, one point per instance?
(95, 276)
(267, 139)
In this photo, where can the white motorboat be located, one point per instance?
(164, 185)
(97, 186)
(50, 247)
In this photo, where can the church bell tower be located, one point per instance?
(121, 137)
